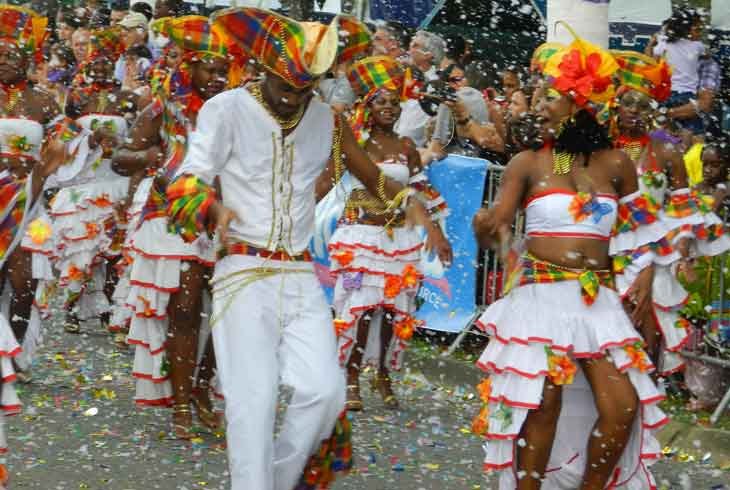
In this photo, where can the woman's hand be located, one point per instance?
(436, 241)
(641, 296)
(683, 247)
(53, 154)
(686, 268)
(106, 138)
(154, 156)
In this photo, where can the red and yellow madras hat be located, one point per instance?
(355, 39)
(374, 73)
(105, 43)
(581, 70)
(195, 34)
(24, 28)
(298, 52)
(643, 73)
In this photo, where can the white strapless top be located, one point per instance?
(21, 138)
(92, 121)
(393, 169)
(100, 168)
(568, 214)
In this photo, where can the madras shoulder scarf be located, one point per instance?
(14, 205)
(179, 104)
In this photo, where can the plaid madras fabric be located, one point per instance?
(193, 33)
(429, 195)
(23, 27)
(275, 41)
(374, 73)
(175, 129)
(710, 73)
(708, 233)
(105, 43)
(683, 205)
(188, 199)
(354, 37)
(542, 54)
(661, 248)
(581, 70)
(13, 201)
(240, 248)
(639, 72)
(367, 77)
(333, 456)
(642, 210)
(535, 271)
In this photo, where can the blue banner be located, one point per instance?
(449, 295)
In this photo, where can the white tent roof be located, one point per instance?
(642, 12)
(721, 14)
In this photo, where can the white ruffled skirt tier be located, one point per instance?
(159, 259)
(527, 327)
(121, 311)
(376, 273)
(11, 405)
(43, 254)
(83, 222)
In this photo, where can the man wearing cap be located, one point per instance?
(134, 34)
(268, 143)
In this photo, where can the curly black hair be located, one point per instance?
(721, 146)
(523, 133)
(680, 24)
(582, 135)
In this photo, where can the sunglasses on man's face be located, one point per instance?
(456, 79)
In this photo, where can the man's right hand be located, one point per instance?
(222, 217)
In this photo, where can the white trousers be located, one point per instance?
(275, 329)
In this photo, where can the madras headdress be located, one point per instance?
(194, 34)
(367, 77)
(199, 40)
(581, 70)
(24, 28)
(106, 43)
(298, 52)
(647, 75)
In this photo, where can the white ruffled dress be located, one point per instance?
(84, 222)
(542, 329)
(378, 272)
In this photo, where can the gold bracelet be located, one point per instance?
(381, 188)
(337, 149)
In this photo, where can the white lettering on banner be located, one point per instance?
(431, 297)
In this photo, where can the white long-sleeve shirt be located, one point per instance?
(267, 180)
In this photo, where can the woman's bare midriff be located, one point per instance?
(574, 253)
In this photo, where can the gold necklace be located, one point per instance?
(13, 99)
(102, 102)
(562, 162)
(285, 124)
(634, 149)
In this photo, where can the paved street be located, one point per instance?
(80, 430)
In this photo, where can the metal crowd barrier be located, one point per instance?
(491, 279)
